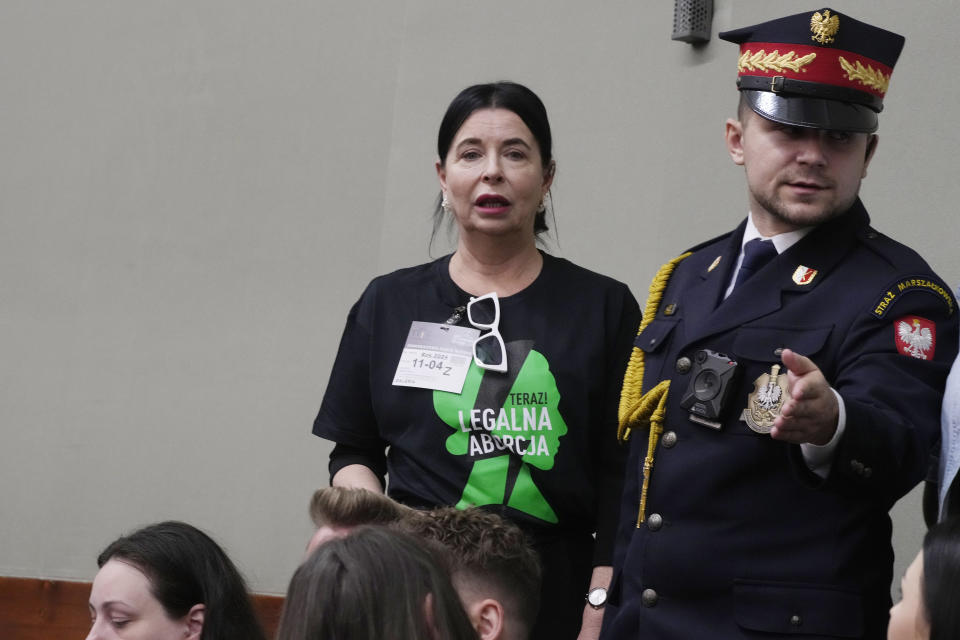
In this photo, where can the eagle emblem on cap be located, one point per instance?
(824, 26)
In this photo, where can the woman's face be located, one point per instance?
(908, 621)
(123, 607)
(493, 176)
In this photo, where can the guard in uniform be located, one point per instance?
(785, 385)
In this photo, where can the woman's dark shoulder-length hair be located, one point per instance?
(374, 583)
(941, 579)
(185, 568)
(497, 95)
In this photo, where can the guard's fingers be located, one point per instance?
(797, 364)
(794, 411)
(787, 431)
(788, 409)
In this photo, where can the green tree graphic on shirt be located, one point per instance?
(505, 424)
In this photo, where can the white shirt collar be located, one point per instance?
(782, 241)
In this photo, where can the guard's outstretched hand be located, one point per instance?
(810, 412)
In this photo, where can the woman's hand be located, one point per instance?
(357, 476)
(593, 618)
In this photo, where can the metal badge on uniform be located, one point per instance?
(436, 356)
(804, 275)
(713, 265)
(764, 403)
(670, 309)
(915, 337)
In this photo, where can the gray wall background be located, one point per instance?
(192, 195)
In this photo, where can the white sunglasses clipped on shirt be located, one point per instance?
(489, 352)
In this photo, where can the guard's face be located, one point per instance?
(123, 607)
(797, 176)
(907, 618)
(493, 175)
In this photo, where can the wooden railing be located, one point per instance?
(36, 609)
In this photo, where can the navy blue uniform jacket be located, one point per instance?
(741, 539)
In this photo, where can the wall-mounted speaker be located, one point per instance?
(691, 20)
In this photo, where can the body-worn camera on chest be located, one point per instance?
(712, 380)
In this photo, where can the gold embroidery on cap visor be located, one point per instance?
(867, 76)
(773, 61)
(824, 26)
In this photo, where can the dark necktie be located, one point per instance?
(756, 253)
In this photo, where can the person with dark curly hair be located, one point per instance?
(492, 565)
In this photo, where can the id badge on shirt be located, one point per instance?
(436, 356)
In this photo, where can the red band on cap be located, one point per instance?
(814, 64)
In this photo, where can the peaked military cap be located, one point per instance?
(819, 69)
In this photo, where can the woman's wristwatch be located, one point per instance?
(597, 597)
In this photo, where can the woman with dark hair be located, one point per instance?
(169, 581)
(928, 607)
(372, 584)
(491, 376)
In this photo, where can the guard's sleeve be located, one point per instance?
(892, 386)
(611, 456)
(346, 413)
(819, 457)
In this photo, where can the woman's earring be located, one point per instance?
(445, 205)
(541, 207)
